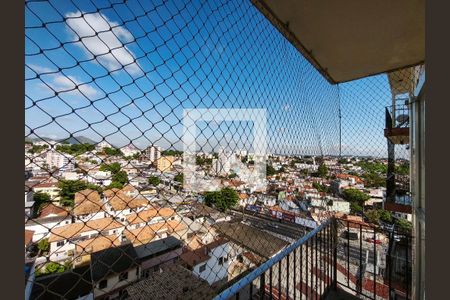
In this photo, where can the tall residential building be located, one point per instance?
(61, 161)
(153, 153)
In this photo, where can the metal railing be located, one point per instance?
(304, 269)
(374, 263)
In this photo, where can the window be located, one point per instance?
(202, 268)
(103, 284)
(60, 243)
(123, 276)
(145, 273)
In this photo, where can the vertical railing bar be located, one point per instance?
(374, 263)
(295, 272)
(301, 272)
(360, 259)
(287, 276)
(262, 288)
(348, 253)
(407, 267)
(315, 269)
(270, 283)
(391, 237)
(312, 268)
(334, 245)
(320, 263)
(279, 279)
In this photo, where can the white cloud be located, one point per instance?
(62, 83)
(98, 38)
(39, 69)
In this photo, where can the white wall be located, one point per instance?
(113, 282)
(214, 272)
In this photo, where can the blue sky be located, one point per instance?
(125, 72)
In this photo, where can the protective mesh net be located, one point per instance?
(110, 205)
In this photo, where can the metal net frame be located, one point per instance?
(108, 206)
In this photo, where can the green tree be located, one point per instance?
(404, 225)
(70, 187)
(43, 245)
(385, 216)
(39, 199)
(355, 208)
(113, 168)
(270, 171)
(154, 180)
(115, 185)
(120, 177)
(373, 216)
(322, 171)
(223, 199)
(53, 267)
(112, 151)
(179, 178)
(356, 196)
(232, 175)
(37, 149)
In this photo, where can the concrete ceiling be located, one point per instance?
(351, 39)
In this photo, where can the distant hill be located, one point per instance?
(78, 140)
(72, 140)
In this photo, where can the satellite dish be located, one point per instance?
(402, 119)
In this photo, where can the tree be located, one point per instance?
(355, 208)
(385, 216)
(53, 267)
(355, 196)
(115, 185)
(232, 175)
(270, 171)
(70, 187)
(223, 199)
(322, 171)
(179, 178)
(404, 225)
(373, 216)
(112, 151)
(39, 199)
(154, 180)
(120, 177)
(113, 168)
(43, 245)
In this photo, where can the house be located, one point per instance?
(209, 262)
(50, 188)
(29, 203)
(88, 206)
(120, 203)
(28, 238)
(73, 284)
(64, 239)
(52, 210)
(85, 248)
(160, 230)
(158, 254)
(113, 270)
(51, 216)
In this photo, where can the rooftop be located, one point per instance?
(173, 282)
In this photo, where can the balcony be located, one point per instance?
(397, 123)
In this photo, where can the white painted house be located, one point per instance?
(209, 262)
